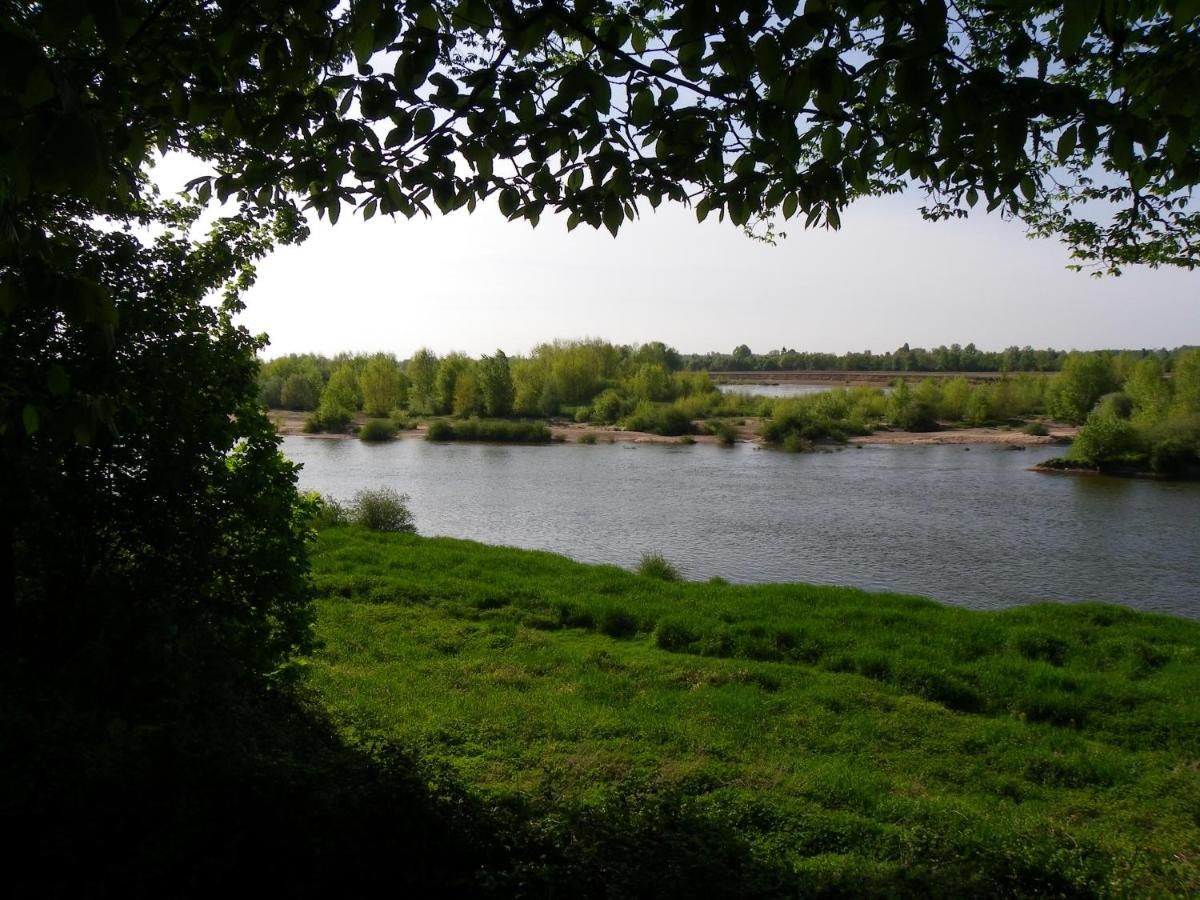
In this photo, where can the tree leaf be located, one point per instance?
(30, 418)
(1078, 19)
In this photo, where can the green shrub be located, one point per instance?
(334, 419)
(659, 418)
(674, 634)
(376, 430)
(1105, 439)
(725, 433)
(655, 565)
(618, 623)
(382, 509)
(586, 439)
(482, 430)
(440, 430)
(1036, 429)
(327, 511)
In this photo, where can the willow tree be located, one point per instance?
(1081, 120)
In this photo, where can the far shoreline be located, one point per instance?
(291, 424)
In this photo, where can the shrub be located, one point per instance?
(674, 635)
(1036, 429)
(664, 419)
(327, 511)
(1105, 439)
(725, 433)
(655, 565)
(618, 623)
(376, 430)
(440, 430)
(382, 509)
(477, 430)
(331, 418)
(586, 439)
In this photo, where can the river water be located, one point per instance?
(967, 527)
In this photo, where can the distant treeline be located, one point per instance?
(1140, 409)
(954, 358)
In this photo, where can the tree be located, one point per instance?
(381, 386)
(451, 366)
(299, 392)
(496, 385)
(422, 374)
(1083, 380)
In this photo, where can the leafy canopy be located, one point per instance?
(1080, 118)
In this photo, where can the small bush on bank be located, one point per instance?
(480, 430)
(382, 509)
(377, 430)
(725, 433)
(655, 565)
(617, 623)
(329, 511)
(1036, 429)
(586, 439)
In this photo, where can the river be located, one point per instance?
(970, 527)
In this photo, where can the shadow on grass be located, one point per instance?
(266, 796)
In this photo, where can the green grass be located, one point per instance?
(678, 737)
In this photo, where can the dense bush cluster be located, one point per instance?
(482, 430)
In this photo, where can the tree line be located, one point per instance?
(954, 358)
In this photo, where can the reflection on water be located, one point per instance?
(968, 527)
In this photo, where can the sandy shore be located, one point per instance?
(292, 423)
(1014, 437)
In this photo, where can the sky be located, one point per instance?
(475, 283)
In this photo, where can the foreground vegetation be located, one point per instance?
(652, 737)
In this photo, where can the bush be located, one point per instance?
(1036, 429)
(376, 430)
(655, 565)
(618, 623)
(382, 509)
(1105, 439)
(327, 511)
(334, 419)
(440, 430)
(477, 430)
(725, 433)
(674, 635)
(586, 439)
(658, 418)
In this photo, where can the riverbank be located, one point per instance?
(291, 423)
(767, 740)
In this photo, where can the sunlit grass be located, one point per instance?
(843, 737)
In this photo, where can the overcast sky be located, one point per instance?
(476, 282)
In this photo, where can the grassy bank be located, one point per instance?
(655, 738)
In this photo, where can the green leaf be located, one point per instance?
(30, 418)
(643, 108)
(613, 214)
(790, 203)
(1186, 12)
(508, 201)
(57, 380)
(423, 121)
(1079, 17)
(1066, 143)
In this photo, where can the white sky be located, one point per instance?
(476, 282)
